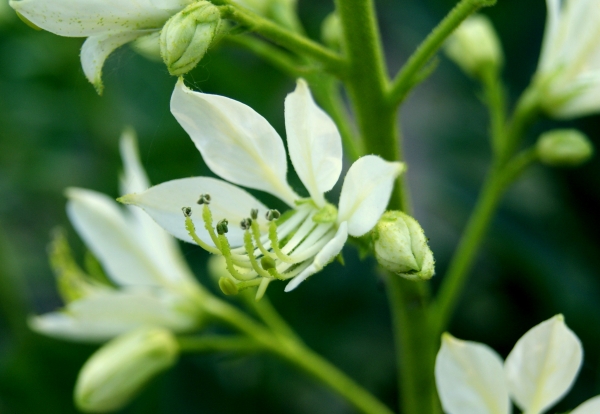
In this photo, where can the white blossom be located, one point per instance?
(568, 74)
(152, 285)
(538, 372)
(240, 146)
(107, 24)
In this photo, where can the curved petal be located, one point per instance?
(156, 242)
(235, 141)
(164, 202)
(82, 18)
(110, 236)
(314, 143)
(100, 317)
(366, 192)
(96, 49)
(470, 379)
(543, 364)
(551, 43)
(326, 255)
(591, 406)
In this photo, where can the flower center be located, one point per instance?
(282, 252)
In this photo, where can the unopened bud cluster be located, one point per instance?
(187, 35)
(401, 247)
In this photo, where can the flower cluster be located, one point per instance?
(238, 144)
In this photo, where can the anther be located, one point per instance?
(246, 223)
(254, 213)
(204, 199)
(187, 211)
(272, 215)
(222, 226)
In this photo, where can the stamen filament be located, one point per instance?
(250, 250)
(275, 244)
(225, 250)
(262, 288)
(191, 229)
(208, 224)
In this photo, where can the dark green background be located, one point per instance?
(540, 257)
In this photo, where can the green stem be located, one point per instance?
(296, 353)
(405, 80)
(496, 102)
(331, 61)
(269, 315)
(213, 343)
(453, 283)
(526, 110)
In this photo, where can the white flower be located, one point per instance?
(568, 73)
(240, 146)
(153, 285)
(107, 24)
(538, 372)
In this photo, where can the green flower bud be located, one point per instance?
(475, 46)
(187, 35)
(331, 31)
(564, 148)
(401, 246)
(120, 369)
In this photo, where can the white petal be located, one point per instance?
(81, 18)
(100, 317)
(155, 241)
(366, 192)
(109, 235)
(314, 143)
(591, 406)
(543, 364)
(96, 49)
(326, 255)
(165, 201)
(550, 46)
(470, 379)
(235, 141)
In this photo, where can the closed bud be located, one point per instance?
(564, 148)
(121, 368)
(475, 46)
(331, 31)
(401, 246)
(187, 35)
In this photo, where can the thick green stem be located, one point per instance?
(405, 80)
(453, 283)
(299, 44)
(296, 353)
(213, 343)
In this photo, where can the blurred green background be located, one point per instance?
(540, 257)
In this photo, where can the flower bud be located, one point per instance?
(187, 35)
(120, 369)
(331, 31)
(474, 46)
(564, 148)
(401, 246)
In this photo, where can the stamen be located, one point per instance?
(246, 223)
(272, 215)
(275, 244)
(204, 199)
(222, 227)
(226, 252)
(191, 229)
(230, 287)
(254, 213)
(207, 217)
(250, 250)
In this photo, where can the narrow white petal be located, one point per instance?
(134, 178)
(164, 202)
(235, 141)
(156, 242)
(366, 191)
(81, 18)
(550, 46)
(96, 49)
(591, 406)
(543, 365)
(109, 235)
(100, 317)
(314, 143)
(326, 255)
(470, 379)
